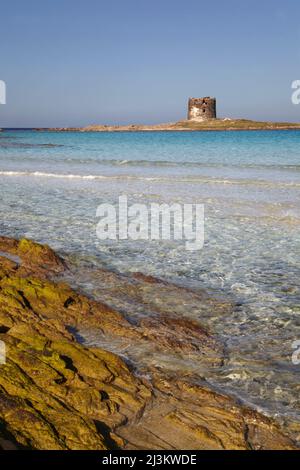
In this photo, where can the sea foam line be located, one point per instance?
(51, 175)
(183, 179)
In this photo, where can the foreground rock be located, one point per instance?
(187, 416)
(57, 394)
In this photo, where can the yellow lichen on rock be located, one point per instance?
(55, 393)
(58, 394)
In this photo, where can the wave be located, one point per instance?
(180, 179)
(22, 145)
(155, 163)
(42, 174)
(169, 163)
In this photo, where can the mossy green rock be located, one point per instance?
(57, 394)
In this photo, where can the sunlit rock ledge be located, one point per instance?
(57, 393)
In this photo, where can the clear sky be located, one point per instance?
(70, 62)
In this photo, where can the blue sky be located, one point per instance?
(69, 62)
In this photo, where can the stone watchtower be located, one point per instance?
(201, 109)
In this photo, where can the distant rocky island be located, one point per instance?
(186, 125)
(201, 116)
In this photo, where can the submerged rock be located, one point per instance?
(33, 256)
(196, 417)
(58, 394)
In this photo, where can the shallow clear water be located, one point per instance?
(249, 182)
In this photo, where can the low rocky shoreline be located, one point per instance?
(185, 125)
(57, 393)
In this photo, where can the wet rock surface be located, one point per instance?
(56, 393)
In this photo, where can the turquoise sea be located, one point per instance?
(249, 183)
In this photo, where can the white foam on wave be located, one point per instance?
(52, 175)
(192, 179)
